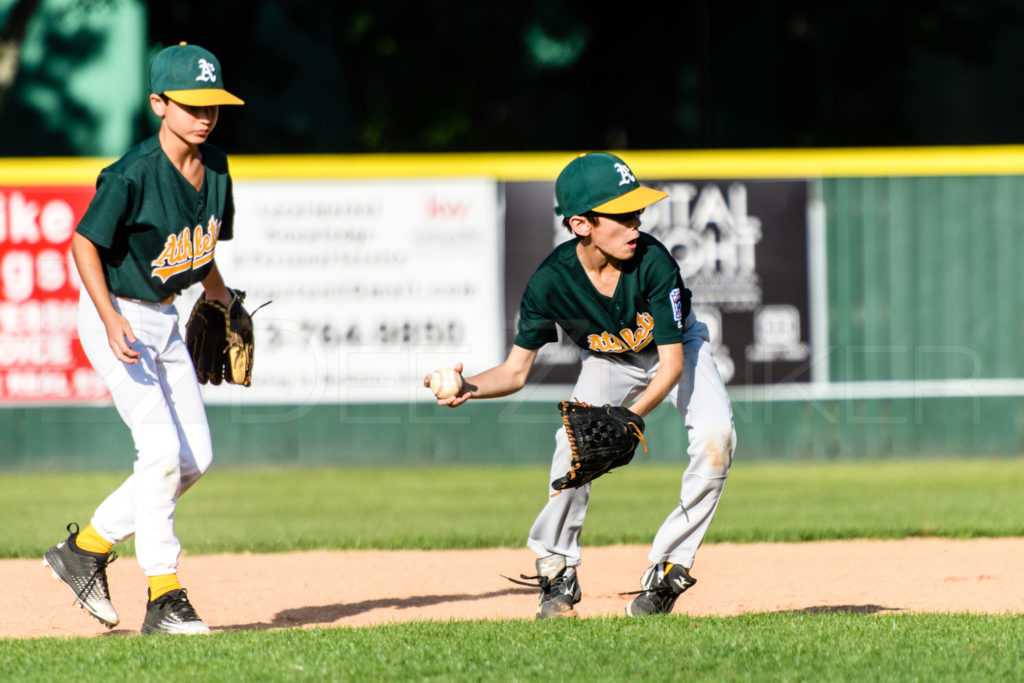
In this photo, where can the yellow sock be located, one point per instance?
(89, 540)
(163, 583)
(669, 565)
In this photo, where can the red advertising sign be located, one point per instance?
(41, 359)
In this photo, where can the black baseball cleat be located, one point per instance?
(173, 613)
(85, 574)
(559, 587)
(659, 590)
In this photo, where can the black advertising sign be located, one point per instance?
(742, 250)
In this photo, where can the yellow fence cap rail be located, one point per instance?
(544, 166)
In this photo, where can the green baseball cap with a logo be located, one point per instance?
(189, 75)
(601, 182)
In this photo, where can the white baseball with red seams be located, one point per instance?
(445, 383)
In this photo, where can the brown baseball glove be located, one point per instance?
(220, 341)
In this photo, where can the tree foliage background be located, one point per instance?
(446, 75)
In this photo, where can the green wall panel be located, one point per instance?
(75, 438)
(924, 279)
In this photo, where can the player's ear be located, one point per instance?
(580, 226)
(158, 103)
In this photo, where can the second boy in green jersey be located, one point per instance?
(617, 294)
(149, 233)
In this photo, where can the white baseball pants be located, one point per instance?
(158, 398)
(703, 402)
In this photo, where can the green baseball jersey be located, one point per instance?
(155, 232)
(650, 303)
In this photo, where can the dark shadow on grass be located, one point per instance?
(327, 614)
(848, 609)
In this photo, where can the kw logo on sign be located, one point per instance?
(627, 340)
(191, 248)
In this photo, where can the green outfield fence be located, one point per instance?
(520, 433)
(917, 340)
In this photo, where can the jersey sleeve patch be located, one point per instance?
(675, 297)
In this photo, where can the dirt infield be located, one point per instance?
(311, 589)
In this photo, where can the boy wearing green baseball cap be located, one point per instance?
(618, 295)
(150, 232)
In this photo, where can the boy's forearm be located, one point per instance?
(652, 397)
(493, 383)
(670, 370)
(90, 272)
(214, 287)
(504, 379)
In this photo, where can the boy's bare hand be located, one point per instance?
(120, 336)
(465, 392)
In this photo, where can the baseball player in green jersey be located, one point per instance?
(150, 232)
(617, 293)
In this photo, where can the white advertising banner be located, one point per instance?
(373, 285)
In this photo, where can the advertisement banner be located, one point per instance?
(373, 285)
(41, 359)
(742, 250)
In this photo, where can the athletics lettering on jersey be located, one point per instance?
(191, 248)
(627, 339)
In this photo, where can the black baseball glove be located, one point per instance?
(602, 438)
(220, 341)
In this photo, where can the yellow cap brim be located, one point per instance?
(633, 200)
(203, 97)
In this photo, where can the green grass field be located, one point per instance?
(480, 507)
(285, 510)
(764, 647)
